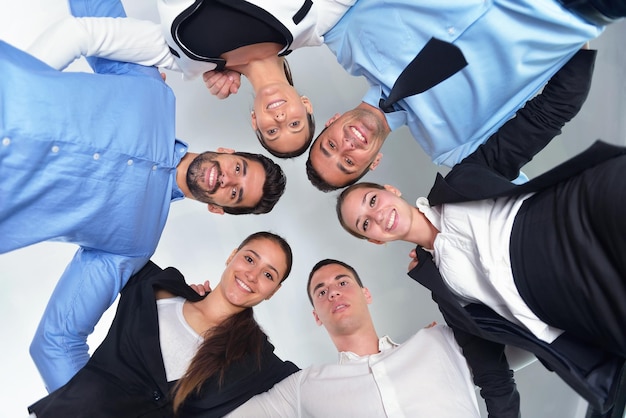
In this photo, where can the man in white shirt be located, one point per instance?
(425, 376)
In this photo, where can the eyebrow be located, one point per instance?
(260, 258)
(245, 172)
(337, 277)
(339, 166)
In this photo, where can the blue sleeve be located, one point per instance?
(109, 8)
(88, 286)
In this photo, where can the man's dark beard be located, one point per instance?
(195, 177)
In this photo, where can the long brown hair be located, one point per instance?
(232, 340)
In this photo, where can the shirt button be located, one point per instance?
(451, 30)
(129, 162)
(96, 156)
(154, 168)
(156, 395)
(6, 141)
(55, 149)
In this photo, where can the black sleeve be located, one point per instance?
(539, 121)
(491, 374)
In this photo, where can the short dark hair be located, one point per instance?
(317, 180)
(295, 153)
(273, 188)
(326, 262)
(282, 242)
(342, 196)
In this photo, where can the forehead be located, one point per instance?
(327, 274)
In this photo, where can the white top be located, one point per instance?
(179, 342)
(472, 254)
(427, 376)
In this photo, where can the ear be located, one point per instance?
(215, 209)
(368, 295)
(275, 290)
(253, 120)
(230, 257)
(226, 150)
(392, 189)
(376, 161)
(317, 318)
(375, 241)
(333, 119)
(307, 104)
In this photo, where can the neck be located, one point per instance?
(422, 232)
(181, 173)
(214, 309)
(260, 63)
(362, 342)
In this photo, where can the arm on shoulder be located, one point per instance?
(491, 373)
(540, 120)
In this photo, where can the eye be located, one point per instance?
(372, 201)
(349, 161)
(237, 168)
(343, 283)
(248, 259)
(233, 193)
(321, 293)
(331, 144)
(269, 275)
(272, 131)
(295, 124)
(366, 223)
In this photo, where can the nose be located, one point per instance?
(333, 292)
(279, 116)
(224, 180)
(348, 142)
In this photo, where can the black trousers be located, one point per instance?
(568, 255)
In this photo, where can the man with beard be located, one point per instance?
(92, 159)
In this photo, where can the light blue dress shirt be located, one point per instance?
(513, 47)
(88, 159)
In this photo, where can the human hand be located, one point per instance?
(222, 83)
(201, 289)
(432, 324)
(414, 260)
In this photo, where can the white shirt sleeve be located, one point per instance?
(283, 400)
(119, 39)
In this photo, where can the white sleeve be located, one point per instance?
(283, 400)
(120, 39)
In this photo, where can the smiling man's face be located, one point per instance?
(349, 145)
(226, 180)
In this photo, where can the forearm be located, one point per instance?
(89, 285)
(491, 374)
(119, 39)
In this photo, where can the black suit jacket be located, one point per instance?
(125, 377)
(487, 173)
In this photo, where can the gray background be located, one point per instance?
(198, 242)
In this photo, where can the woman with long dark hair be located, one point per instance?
(170, 351)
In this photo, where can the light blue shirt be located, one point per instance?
(88, 159)
(512, 47)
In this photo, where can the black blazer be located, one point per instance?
(487, 173)
(125, 377)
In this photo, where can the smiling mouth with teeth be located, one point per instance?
(275, 104)
(392, 219)
(358, 134)
(243, 285)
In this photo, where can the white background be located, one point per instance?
(198, 242)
